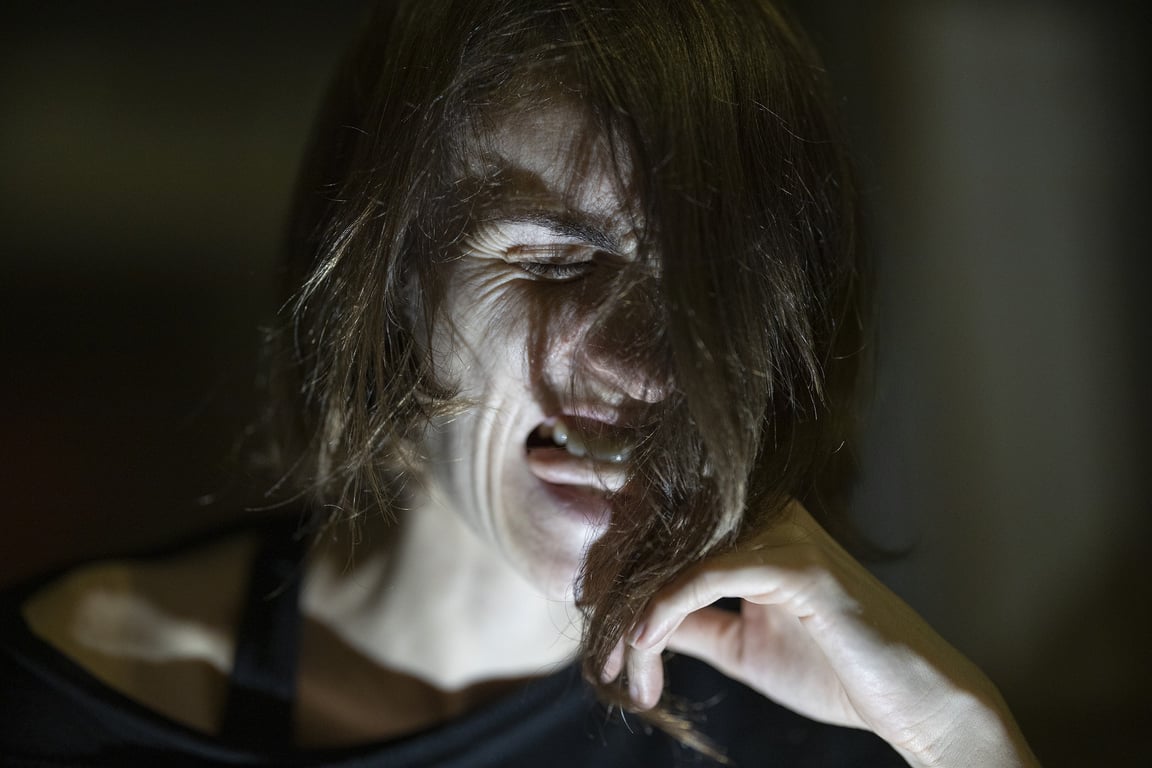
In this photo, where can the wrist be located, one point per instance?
(979, 732)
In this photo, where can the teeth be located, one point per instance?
(575, 446)
(600, 448)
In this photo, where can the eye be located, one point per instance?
(553, 263)
(557, 271)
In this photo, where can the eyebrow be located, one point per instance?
(567, 226)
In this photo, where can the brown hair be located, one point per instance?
(718, 110)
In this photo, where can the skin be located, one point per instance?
(817, 632)
(492, 535)
(490, 540)
(518, 316)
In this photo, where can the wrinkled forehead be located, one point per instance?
(552, 160)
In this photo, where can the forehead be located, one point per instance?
(549, 159)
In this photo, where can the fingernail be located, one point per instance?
(637, 633)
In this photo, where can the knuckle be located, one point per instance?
(810, 559)
(704, 589)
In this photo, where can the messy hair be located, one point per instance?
(716, 114)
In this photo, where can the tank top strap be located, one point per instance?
(258, 713)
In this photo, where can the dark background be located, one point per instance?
(147, 151)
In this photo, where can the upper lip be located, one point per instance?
(609, 417)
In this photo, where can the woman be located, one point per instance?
(577, 316)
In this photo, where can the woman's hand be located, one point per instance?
(822, 636)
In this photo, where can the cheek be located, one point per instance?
(481, 332)
(497, 325)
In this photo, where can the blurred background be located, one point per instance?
(147, 152)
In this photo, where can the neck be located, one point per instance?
(431, 600)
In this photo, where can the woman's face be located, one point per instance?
(514, 338)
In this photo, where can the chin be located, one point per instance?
(550, 531)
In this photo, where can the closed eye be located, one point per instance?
(554, 262)
(557, 271)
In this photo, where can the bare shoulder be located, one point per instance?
(159, 630)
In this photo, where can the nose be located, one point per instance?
(613, 379)
(620, 359)
(622, 355)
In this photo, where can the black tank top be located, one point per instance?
(54, 714)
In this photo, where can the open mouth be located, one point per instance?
(583, 438)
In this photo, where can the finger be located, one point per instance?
(709, 634)
(645, 678)
(744, 575)
(722, 639)
(614, 665)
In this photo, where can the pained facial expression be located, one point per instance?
(519, 305)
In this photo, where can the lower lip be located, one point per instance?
(588, 505)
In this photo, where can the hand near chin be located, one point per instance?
(822, 636)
